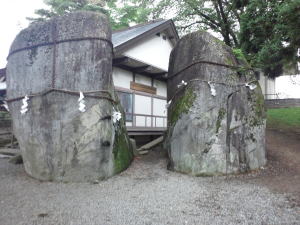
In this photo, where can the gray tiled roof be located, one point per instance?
(122, 36)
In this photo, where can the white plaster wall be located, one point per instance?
(148, 122)
(271, 88)
(288, 86)
(161, 87)
(159, 107)
(267, 86)
(142, 79)
(142, 105)
(159, 122)
(122, 78)
(140, 121)
(154, 51)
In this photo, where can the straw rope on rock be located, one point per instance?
(66, 131)
(216, 117)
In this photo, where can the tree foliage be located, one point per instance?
(121, 13)
(266, 31)
(61, 7)
(270, 35)
(124, 13)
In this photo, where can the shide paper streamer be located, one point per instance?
(24, 107)
(81, 102)
(116, 116)
(183, 83)
(212, 89)
(251, 86)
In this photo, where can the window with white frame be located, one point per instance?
(127, 104)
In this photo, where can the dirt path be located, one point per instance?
(282, 173)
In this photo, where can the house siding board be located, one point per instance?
(154, 51)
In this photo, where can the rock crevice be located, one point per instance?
(216, 121)
(59, 140)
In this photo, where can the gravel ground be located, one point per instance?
(146, 193)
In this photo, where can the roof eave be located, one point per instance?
(123, 47)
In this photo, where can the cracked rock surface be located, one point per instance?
(59, 142)
(216, 123)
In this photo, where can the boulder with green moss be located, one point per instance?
(216, 118)
(58, 141)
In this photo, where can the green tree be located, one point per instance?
(221, 17)
(124, 13)
(60, 7)
(267, 31)
(270, 35)
(121, 13)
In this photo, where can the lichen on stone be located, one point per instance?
(182, 105)
(209, 136)
(221, 115)
(258, 107)
(240, 56)
(122, 149)
(32, 55)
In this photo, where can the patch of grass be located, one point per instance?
(284, 118)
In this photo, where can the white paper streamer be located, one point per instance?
(212, 88)
(116, 116)
(251, 86)
(5, 106)
(183, 83)
(81, 101)
(168, 104)
(24, 107)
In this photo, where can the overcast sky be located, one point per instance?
(13, 15)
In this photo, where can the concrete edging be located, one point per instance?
(282, 103)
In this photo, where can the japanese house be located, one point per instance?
(140, 69)
(140, 66)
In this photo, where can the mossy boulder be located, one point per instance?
(218, 127)
(58, 142)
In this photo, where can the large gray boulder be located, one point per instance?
(58, 142)
(216, 128)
